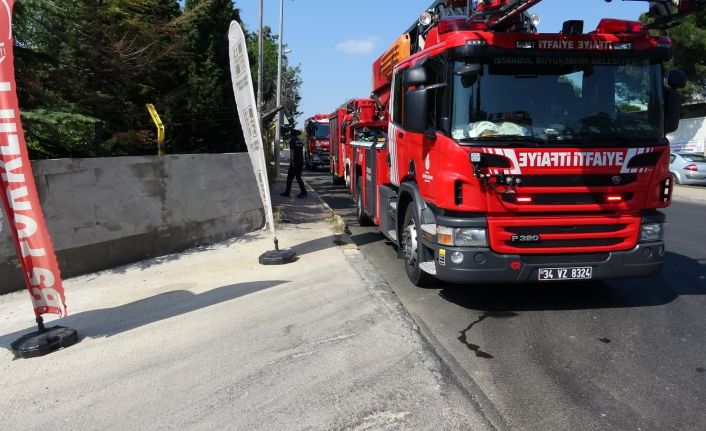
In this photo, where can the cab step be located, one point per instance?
(428, 267)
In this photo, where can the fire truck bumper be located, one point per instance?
(320, 160)
(471, 265)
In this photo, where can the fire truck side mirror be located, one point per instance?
(416, 105)
(672, 107)
(676, 78)
(415, 76)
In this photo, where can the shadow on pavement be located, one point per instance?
(315, 245)
(680, 276)
(178, 255)
(107, 322)
(368, 238)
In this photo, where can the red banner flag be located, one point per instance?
(19, 193)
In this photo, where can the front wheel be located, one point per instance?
(362, 217)
(335, 179)
(412, 249)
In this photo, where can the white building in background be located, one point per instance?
(690, 137)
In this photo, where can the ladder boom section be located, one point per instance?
(493, 12)
(510, 11)
(385, 64)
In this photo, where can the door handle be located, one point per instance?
(400, 135)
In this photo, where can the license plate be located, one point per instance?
(554, 274)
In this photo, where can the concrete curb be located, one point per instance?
(338, 220)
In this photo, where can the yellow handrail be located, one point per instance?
(161, 151)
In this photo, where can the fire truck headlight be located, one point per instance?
(445, 235)
(471, 237)
(651, 232)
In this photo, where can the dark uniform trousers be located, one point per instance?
(295, 171)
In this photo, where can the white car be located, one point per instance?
(688, 168)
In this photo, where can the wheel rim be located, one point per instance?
(410, 243)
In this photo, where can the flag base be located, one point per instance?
(40, 343)
(277, 257)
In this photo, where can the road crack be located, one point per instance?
(474, 347)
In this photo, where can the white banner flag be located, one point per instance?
(249, 117)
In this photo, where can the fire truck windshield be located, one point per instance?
(604, 101)
(320, 131)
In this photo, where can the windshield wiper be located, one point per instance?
(506, 139)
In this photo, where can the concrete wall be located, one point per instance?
(108, 212)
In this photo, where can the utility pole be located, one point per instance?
(260, 61)
(278, 126)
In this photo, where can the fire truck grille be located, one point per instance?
(547, 235)
(568, 243)
(578, 180)
(566, 229)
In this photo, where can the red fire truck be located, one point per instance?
(317, 151)
(517, 156)
(355, 124)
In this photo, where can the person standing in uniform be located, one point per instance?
(296, 165)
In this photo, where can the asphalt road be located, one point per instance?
(618, 355)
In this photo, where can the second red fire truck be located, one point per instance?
(317, 151)
(355, 124)
(493, 153)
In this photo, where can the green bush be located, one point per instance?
(56, 134)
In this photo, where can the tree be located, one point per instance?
(291, 81)
(689, 44)
(100, 60)
(689, 41)
(206, 118)
(86, 69)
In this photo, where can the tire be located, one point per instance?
(336, 180)
(362, 217)
(347, 178)
(411, 247)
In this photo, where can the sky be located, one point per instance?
(336, 42)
